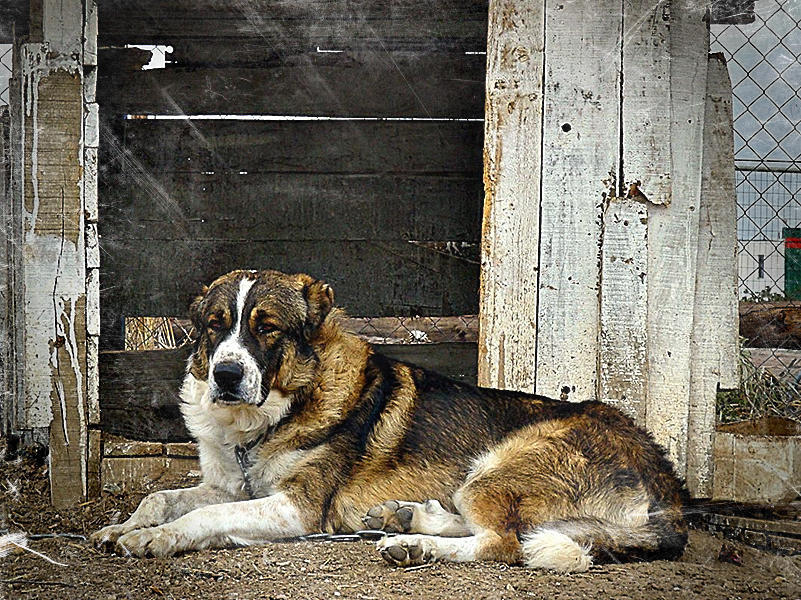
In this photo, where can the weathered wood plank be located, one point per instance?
(281, 27)
(644, 176)
(715, 329)
(6, 301)
(292, 207)
(373, 278)
(673, 237)
(352, 147)
(623, 347)
(94, 458)
(139, 394)
(139, 390)
(374, 84)
(580, 138)
(55, 301)
(513, 170)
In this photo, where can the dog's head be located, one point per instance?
(255, 333)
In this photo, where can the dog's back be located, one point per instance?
(528, 468)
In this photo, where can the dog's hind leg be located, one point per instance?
(427, 517)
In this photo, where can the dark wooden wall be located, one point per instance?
(182, 201)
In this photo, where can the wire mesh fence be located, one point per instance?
(5, 72)
(765, 68)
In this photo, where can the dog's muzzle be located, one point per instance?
(228, 377)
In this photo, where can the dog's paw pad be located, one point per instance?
(392, 517)
(406, 553)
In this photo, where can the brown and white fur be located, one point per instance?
(340, 437)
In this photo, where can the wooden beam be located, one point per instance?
(404, 279)
(282, 27)
(644, 177)
(342, 84)
(673, 237)
(6, 302)
(49, 194)
(580, 139)
(512, 175)
(715, 357)
(151, 147)
(291, 206)
(139, 390)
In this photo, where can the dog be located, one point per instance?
(303, 427)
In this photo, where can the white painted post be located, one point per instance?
(512, 170)
(55, 122)
(673, 237)
(715, 328)
(551, 143)
(644, 177)
(581, 155)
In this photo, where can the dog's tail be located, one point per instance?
(572, 545)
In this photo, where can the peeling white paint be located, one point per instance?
(52, 262)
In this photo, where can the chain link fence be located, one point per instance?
(765, 68)
(5, 72)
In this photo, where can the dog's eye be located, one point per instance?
(215, 325)
(265, 328)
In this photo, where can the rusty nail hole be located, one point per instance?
(566, 127)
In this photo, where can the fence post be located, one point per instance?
(55, 124)
(716, 319)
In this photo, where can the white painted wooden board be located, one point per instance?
(673, 237)
(624, 263)
(512, 168)
(646, 100)
(644, 177)
(715, 327)
(580, 159)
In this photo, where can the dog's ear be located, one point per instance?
(319, 299)
(196, 310)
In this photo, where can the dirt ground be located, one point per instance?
(334, 569)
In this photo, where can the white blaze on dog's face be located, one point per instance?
(235, 376)
(255, 334)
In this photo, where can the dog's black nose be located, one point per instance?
(228, 375)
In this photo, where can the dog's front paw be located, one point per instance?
(154, 541)
(407, 550)
(392, 516)
(106, 538)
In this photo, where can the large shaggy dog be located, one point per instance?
(303, 427)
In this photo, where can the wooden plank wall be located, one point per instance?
(338, 198)
(592, 175)
(381, 163)
(624, 303)
(140, 389)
